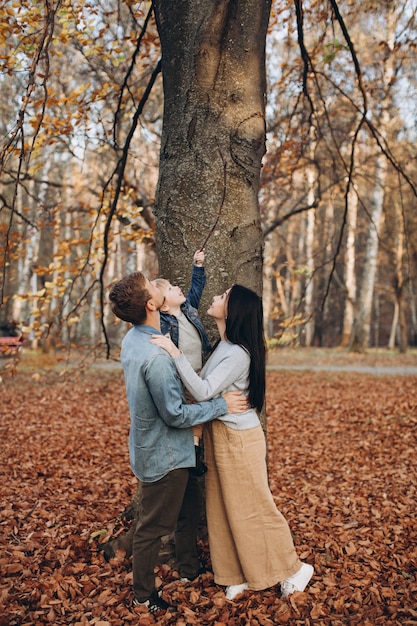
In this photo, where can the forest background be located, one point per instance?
(81, 105)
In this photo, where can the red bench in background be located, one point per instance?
(10, 345)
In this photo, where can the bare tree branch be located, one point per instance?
(120, 169)
(125, 84)
(17, 134)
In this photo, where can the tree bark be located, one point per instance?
(213, 139)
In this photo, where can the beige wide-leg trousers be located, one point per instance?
(249, 538)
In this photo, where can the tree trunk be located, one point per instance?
(268, 293)
(349, 271)
(394, 324)
(399, 323)
(213, 140)
(362, 328)
(124, 540)
(413, 312)
(31, 235)
(309, 292)
(312, 177)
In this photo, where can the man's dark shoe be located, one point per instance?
(200, 467)
(155, 605)
(202, 570)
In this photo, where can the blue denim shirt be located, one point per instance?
(161, 437)
(169, 323)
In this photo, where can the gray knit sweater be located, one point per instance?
(227, 369)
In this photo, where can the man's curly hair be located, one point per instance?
(128, 298)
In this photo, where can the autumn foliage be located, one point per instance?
(342, 470)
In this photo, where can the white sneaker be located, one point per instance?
(297, 582)
(234, 590)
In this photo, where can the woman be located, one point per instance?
(250, 542)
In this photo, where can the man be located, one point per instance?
(161, 445)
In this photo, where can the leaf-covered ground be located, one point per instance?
(342, 458)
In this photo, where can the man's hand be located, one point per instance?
(236, 403)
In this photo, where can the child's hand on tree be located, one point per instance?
(199, 258)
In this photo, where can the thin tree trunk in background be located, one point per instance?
(132, 258)
(309, 306)
(393, 333)
(312, 176)
(268, 296)
(413, 312)
(403, 334)
(377, 322)
(349, 270)
(399, 330)
(327, 321)
(396, 256)
(297, 288)
(362, 328)
(69, 233)
(290, 286)
(21, 307)
(114, 270)
(281, 295)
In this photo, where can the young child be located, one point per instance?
(179, 318)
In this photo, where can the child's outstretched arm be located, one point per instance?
(198, 280)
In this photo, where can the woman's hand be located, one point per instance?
(164, 341)
(189, 397)
(236, 403)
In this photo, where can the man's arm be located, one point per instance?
(165, 388)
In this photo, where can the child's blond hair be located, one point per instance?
(162, 283)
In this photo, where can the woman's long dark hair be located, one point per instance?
(244, 326)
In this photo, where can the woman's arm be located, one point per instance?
(227, 365)
(165, 390)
